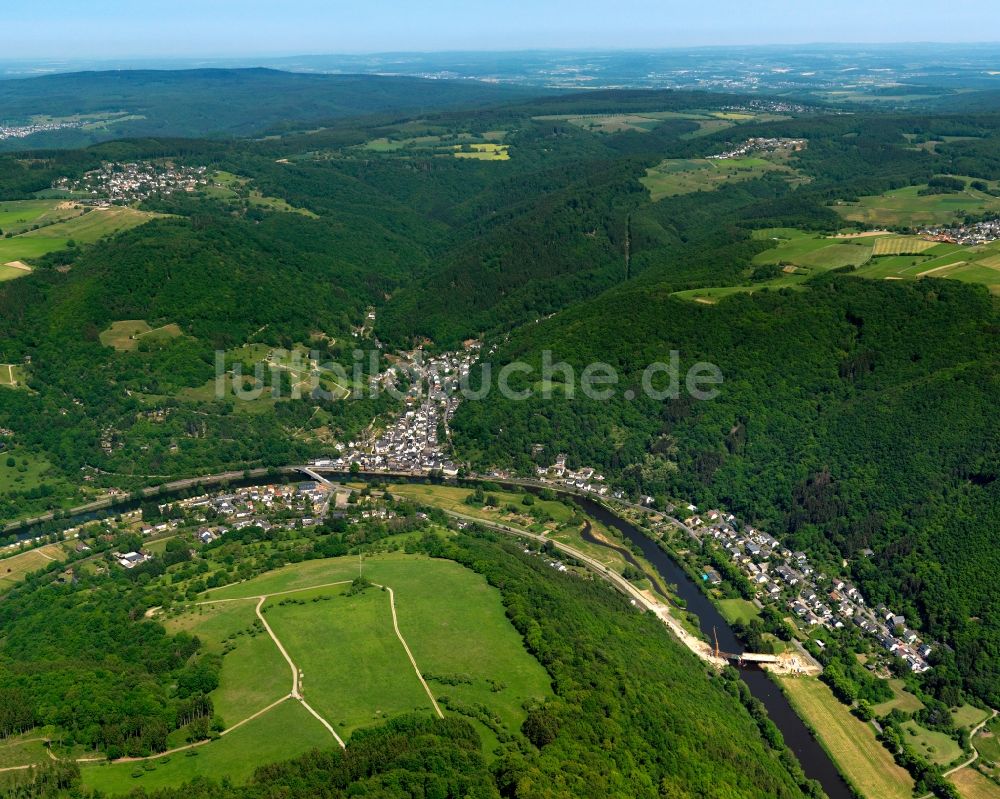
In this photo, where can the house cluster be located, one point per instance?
(788, 579)
(761, 145)
(414, 441)
(23, 131)
(970, 235)
(121, 183)
(254, 506)
(582, 479)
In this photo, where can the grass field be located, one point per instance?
(988, 742)
(11, 375)
(973, 785)
(968, 716)
(903, 700)
(935, 746)
(453, 498)
(126, 335)
(17, 567)
(27, 472)
(253, 672)
(801, 255)
(851, 743)
(674, 177)
(285, 732)
(10, 272)
(906, 207)
(358, 674)
(355, 669)
(58, 224)
(738, 610)
(21, 751)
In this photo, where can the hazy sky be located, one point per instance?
(123, 28)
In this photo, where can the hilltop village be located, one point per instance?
(126, 183)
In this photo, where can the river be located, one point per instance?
(815, 761)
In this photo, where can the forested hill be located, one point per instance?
(220, 102)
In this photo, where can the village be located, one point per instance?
(126, 183)
(761, 145)
(969, 235)
(414, 442)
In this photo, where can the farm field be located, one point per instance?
(89, 227)
(801, 255)
(674, 177)
(18, 216)
(935, 746)
(285, 732)
(12, 272)
(973, 785)
(59, 224)
(907, 208)
(851, 743)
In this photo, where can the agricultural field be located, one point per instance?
(973, 785)
(851, 743)
(643, 122)
(18, 216)
(935, 747)
(44, 226)
(676, 176)
(801, 255)
(14, 270)
(126, 335)
(906, 207)
(483, 152)
(901, 245)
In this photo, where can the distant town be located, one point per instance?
(23, 131)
